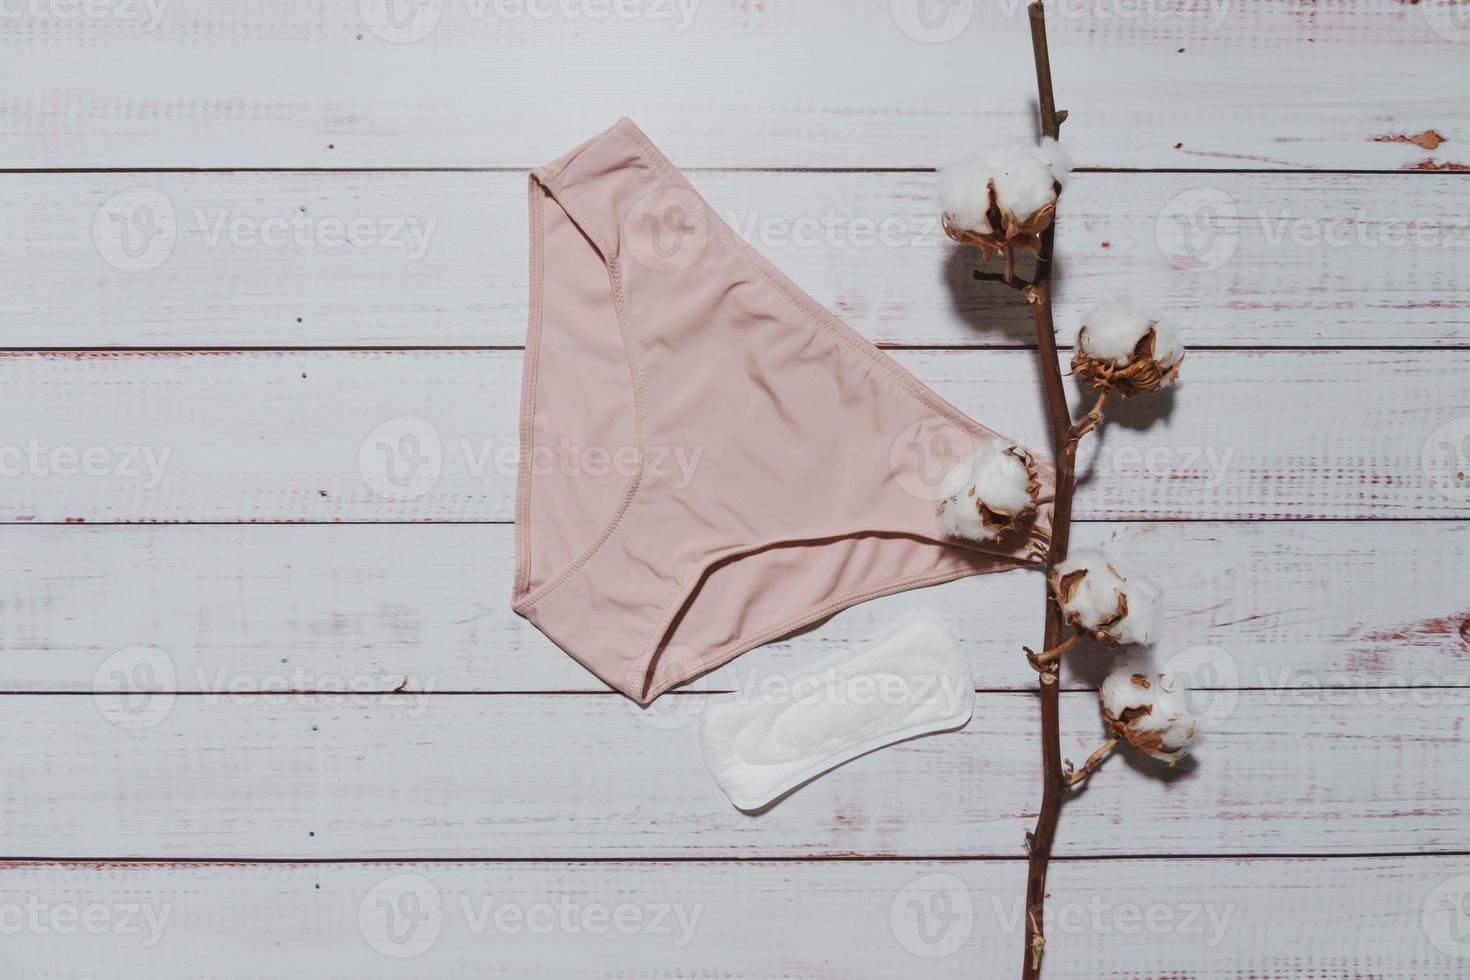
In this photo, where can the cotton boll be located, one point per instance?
(989, 494)
(1145, 611)
(1002, 198)
(1124, 347)
(1024, 184)
(1151, 712)
(1094, 596)
(959, 516)
(964, 194)
(1003, 479)
(1112, 330)
(1056, 157)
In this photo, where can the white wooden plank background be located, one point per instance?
(260, 259)
(562, 776)
(1176, 83)
(280, 436)
(1121, 920)
(306, 607)
(1305, 504)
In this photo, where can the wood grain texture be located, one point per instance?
(271, 436)
(1207, 920)
(1167, 84)
(319, 607)
(568, 776)
(426, 259)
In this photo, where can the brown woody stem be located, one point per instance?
(1054, 778)
(1089, 421)
(1042, 661)
(1073, 778)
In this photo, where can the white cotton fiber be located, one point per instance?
(1152, 712)
(1094, 600)
(1111, 333)
(1002, 482)
(964, 193)
(995, 476)
(1024, 177)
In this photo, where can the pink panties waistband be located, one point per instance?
(709, 459)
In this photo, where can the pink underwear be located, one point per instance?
(709, 459)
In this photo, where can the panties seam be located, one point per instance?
(726, 654)
(528, 396)
(635, 370)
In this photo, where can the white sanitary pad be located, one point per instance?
(781, 731)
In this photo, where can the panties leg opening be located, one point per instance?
(759, 595)
(580, 417)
